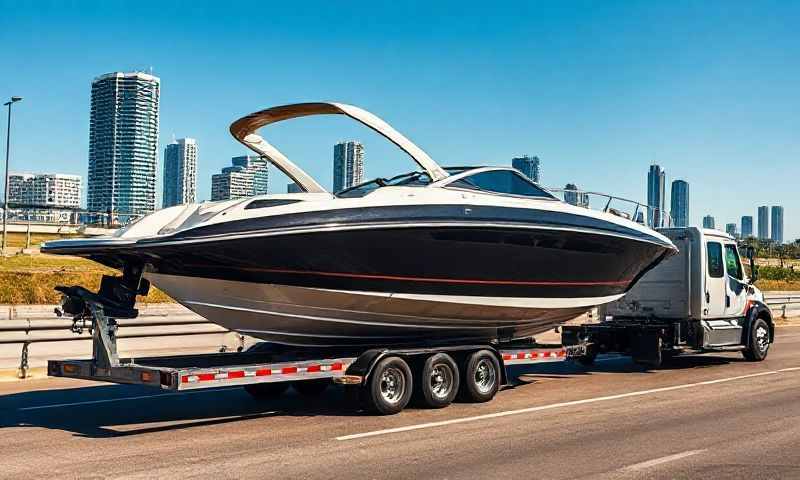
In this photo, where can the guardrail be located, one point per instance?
(26, 325)
(783, 304)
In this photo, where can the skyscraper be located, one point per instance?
(123, 143)
(763, 223)
(529, 166)
(293, 188)
(730, 229)
(679, 203)
(180, 172)
(708, 222)
(247, 177)
(572, 196)
(348, 165)
(777, 224)
(655, 196)
(747, 226)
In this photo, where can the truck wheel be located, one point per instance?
(481, 379)
(266, 391)
(758, 343)
(438, 381)
(389, 387)
(311, 388)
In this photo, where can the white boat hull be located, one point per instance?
(323, 317)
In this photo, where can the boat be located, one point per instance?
(436, 254)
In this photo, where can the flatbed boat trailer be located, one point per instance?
(383, 379)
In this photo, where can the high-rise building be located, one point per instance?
(747, 226)
(529, 166)
(574, 197)
(708, 222)
(730, 229)
(763, 223)
(655, 196)
(679, 203)
(247, 177)
(348, 165)
(293, 188)
(639, 217)
(123, 144)
(777, 224)
(44, 190)
(180, 172)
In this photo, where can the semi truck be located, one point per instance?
(700, 300)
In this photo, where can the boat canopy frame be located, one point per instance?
(244, 130)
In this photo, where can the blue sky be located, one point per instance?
(598, 90)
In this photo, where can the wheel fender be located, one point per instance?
(759, 310)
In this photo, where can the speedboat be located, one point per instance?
(437, 254)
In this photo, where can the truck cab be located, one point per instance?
(701, 299)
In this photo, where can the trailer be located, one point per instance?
(381, 379)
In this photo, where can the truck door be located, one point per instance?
(716, 289)
(736, 288)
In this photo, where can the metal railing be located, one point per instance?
(582, 198)
(783, 304)
(38, 325)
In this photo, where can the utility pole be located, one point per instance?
(8, 148)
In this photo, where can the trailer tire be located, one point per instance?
(481, 377)
(389, 387)
(311, 388)
(587, 360)
(266, 391)
(758, 343)
(437, 383)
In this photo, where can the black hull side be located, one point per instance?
(475, 261)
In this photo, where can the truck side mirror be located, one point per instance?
(751, 255)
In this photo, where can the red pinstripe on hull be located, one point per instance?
(435, 280)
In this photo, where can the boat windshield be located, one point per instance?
(411, 179)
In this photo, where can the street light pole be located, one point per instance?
(8, 148)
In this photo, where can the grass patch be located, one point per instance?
(31, 279)
(778, 285)
(17, 239)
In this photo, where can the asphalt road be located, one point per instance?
(701, 417)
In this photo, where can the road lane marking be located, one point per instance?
(658, 461)
(109, 400)
(551, 406)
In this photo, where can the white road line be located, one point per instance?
(109, 400)
(554, 405)
(658, 461)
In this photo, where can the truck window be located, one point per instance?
(732, 262)
(715, 269)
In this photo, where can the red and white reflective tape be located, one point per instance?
(262, 372)
(534, 355)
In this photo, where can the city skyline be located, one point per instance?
(348, 164)
(123, 143)
(656, 94)
(679, 203)
(530, 166)
(180, 172)
(656, 184)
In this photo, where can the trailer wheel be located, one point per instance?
(587, 360)
(266, 391)
(389, 387)
(311, 388)
(437, 384)
(758, 344)
(481, 379)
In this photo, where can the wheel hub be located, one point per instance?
(485, 376)
(762, 338)
(392, 385)
(441, 381)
